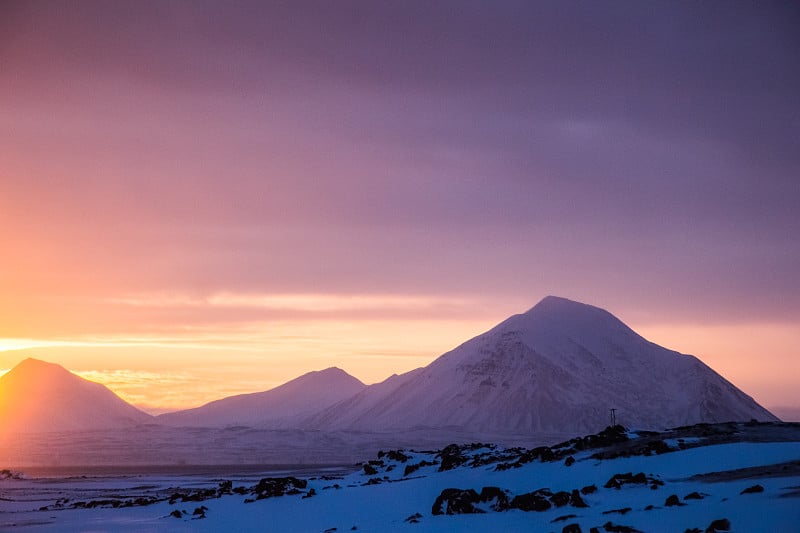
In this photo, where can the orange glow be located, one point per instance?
(193, 366)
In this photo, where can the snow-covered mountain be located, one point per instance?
(36, 396)
(560, 367)
(280, 407)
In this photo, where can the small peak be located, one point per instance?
(30, 361)
(332, 370)
(558, 303)
(30, 365)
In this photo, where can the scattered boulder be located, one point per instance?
(571, 528)
(225, 487)
(396, 455)
(752, 490)
(538, 500)
(456, 501)
(673, 501)
(410, 469)
(562, 518)
(369, 469)
(451, 457)
(413, 519)
(569, 461)
(589, 489)
(495, 495)
(622, 511)
(722, 524)
(270, 487)
(617, 481)
(561, 498)
(693, 496)
(576, 500)
(176, 514)
(9, 474)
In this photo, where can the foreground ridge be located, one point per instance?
(704, 477)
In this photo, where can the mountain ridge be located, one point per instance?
(274, 408)
(37, 396)
(560, 366)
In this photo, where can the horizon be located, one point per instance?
(200, 200)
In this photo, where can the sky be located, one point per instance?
(201, 198)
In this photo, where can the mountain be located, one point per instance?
(36, 396)
(281, 407)
(560, 367)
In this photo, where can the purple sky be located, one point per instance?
(641, 156)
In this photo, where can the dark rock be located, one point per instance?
(397, 455)
(560, 499)
(672, 501)
(270, 487)
(575, 499)
(622, 511)
(451, 457)
(370, 470)
(722, 524)
(693, 496)
(693, 530)
(618, 480)
(413, 519)
(569, 461)
(532, 501)
(176, 513)
(310, 494)
(649, 508)
(589, 489)
(571, 528)
(497, 495)
(410, 469)
(563, 518)
(456, 501)
(752, 490)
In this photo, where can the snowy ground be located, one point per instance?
(391, 498)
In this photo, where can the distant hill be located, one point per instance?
(560, 367)
(281, 407)
(36, 396)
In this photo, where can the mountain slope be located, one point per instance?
(281, 407)
(559, 367)
(36, 396)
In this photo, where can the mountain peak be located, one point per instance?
(558, 304)
(555, 318)
(282, 407)
(559, 367)
(36, 370)
(39, 396)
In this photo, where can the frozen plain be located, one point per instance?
(392, 498)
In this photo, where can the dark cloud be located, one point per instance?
(643, 149)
